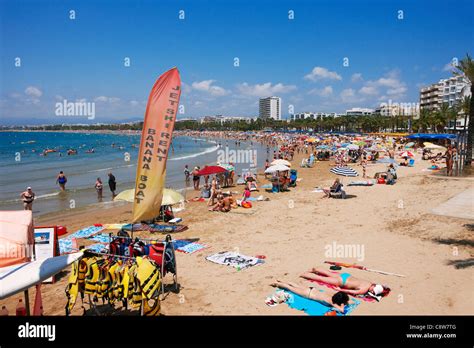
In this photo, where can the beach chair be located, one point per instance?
(338, 193)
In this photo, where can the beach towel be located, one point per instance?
(65, 245)
(312, 307)
(86, 232)
(179, 243)
(236, 260)
(191, 248)
(113, 226)
(100, 237)
(361, 183)
(266, 186)
(318, 190)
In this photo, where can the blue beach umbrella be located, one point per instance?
(344, 170)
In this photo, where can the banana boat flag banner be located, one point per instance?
(154, 146)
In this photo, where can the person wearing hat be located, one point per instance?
(28, 197)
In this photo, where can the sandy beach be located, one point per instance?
(293, 230)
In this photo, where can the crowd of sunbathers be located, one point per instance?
(341, 286)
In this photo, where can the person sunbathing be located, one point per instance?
(337, 300)
(336, 187)
(347, 283)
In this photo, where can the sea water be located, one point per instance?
(22, 164)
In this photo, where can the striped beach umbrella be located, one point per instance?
(344, 170)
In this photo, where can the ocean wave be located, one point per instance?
(208, 150)
(109, 168)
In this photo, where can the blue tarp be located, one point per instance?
(431, 136)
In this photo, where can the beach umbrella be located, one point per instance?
(409, 145)
(209, 170)
(311, 140)
(276, 168)
(227, 166)
(170, 196)
(353, 147)
(407, 154)
(281, 161)
(344, 170)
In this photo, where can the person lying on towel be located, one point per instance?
(347, 283)
(337, 300)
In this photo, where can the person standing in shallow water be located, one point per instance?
(112, 183)
(61, 180)
(99, 186)
(28, 197)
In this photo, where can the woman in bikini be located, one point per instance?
(347, 283)
(328, 298)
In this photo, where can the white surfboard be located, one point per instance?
(20, 277)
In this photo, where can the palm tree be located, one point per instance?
(466, 68)
(465, 107)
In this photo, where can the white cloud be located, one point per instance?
(320, 73)
(356, 77)
(348, 95)
(368, 90)
(264, 89)
(134, 102)
(389, 84)
(104, 99)
(324, 92)
(206, 86)
(33, 92)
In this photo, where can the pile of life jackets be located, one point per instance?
(162, 253)
(134, 280)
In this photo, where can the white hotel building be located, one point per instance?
(270, 108)
(450, 91)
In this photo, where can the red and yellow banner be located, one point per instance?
(154, 146)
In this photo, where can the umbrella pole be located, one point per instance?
(27, 302)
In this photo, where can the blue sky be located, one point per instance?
(300, 59)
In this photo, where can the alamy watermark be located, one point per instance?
(77, 108)
(237, 156)
(335, 250)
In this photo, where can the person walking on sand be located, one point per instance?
(28, 197)
(98, 187)
(449, 160)
(112, 183)
(61, 180)
(196, 178)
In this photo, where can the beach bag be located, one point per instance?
(381, 181)
(246, 204)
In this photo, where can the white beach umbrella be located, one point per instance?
(282, 162)
(276, 168)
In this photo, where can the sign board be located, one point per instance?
(46, 245)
